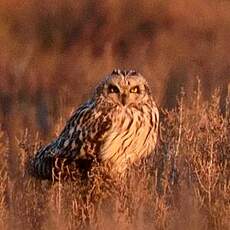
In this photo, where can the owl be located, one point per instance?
(117, 126)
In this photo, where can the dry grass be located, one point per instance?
(185, 184)
(53, 52)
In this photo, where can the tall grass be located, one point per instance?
(53, 52)
(184, 184)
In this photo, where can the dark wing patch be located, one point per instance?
(78, 144)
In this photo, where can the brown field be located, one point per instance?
(53, 53)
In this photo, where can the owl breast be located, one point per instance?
(131, 137)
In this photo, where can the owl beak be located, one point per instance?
(123, 99)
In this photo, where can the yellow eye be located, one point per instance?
(113, 89)
(135, 89)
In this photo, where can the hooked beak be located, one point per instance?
(123, 99)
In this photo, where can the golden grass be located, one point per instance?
(53, 52)
(185, 184)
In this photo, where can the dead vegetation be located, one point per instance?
(52, 54)
(185, 184)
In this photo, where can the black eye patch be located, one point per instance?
(113, 89)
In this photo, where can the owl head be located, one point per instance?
(124, 88)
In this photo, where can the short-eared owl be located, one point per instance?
(118, 126)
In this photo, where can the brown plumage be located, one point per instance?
(118, 126)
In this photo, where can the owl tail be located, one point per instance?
(41, 167)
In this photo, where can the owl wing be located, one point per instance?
(80, 139)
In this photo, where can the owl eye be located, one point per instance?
(135, 89)
(113, 89)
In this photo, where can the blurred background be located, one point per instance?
(53, 53)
